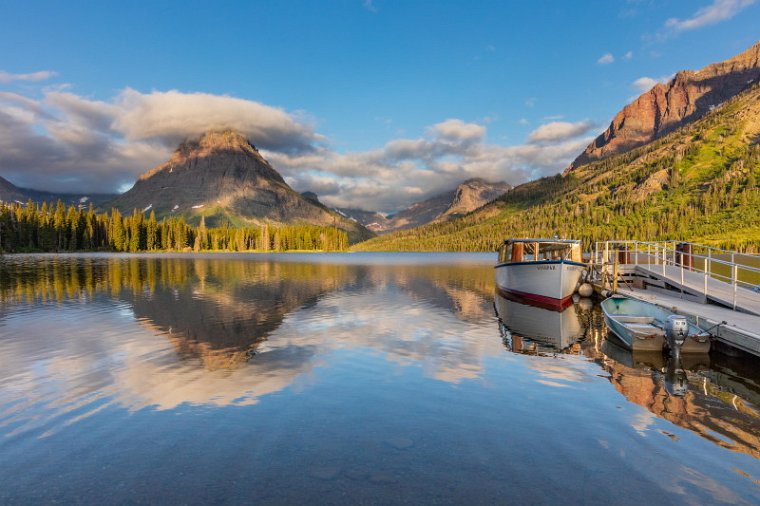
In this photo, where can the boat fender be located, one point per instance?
(585, 290)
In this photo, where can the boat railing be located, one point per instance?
(730, 267)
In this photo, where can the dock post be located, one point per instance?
(682, 275)
(664, 257)
(649, 256)
(734, 275)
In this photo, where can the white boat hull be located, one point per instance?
(550, 282)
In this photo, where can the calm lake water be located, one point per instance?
(346, 378)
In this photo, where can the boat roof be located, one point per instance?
(557, 241)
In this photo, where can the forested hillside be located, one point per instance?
(698, 183)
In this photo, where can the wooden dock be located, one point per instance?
(681, 278)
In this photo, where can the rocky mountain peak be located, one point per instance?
(472, 194)
(223, 178)
(219, 140)
(466, 197)
(474, 181)
(688, 96)
(217, 151)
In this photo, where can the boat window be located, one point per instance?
(529, 251)
(559, 251)
(533, 251)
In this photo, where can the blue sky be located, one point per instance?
(363, 83)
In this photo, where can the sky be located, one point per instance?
(372, 104)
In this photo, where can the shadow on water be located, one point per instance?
(715, 396)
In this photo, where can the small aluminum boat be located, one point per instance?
(642, 326)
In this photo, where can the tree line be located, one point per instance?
(57, 228)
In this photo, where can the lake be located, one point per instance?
(344, 379)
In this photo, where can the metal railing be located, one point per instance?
(729, 267)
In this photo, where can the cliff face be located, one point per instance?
(471, 195)
(668, 106)
(222, 176)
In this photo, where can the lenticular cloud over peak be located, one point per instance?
(173, 116)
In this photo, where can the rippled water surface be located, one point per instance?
(354, 378)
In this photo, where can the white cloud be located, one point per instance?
(606, 59)
(456, 130)
(7, 77)
(66, 142)
(717, 11)
(644, 84)
(173, 116)
(408, 170)
(559, 131)
(628, 55)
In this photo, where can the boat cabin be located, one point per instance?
(535, 250)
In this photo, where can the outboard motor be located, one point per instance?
(676, 332)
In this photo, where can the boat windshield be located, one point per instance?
(525, 251)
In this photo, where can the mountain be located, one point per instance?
(224, 178)
(12, 193)
(9, 193)
(465, 198)
(697, 183)
(688, 96)
(372, 220)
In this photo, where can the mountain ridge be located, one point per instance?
(466, 197)
(685, 98)
(11, 193)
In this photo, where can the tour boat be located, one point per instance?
(641, 325)
(545, 271)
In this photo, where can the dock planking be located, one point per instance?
(695, 282)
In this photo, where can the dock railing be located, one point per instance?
(739, 270)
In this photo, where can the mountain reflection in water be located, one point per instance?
(373, 375)
(218, 315)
